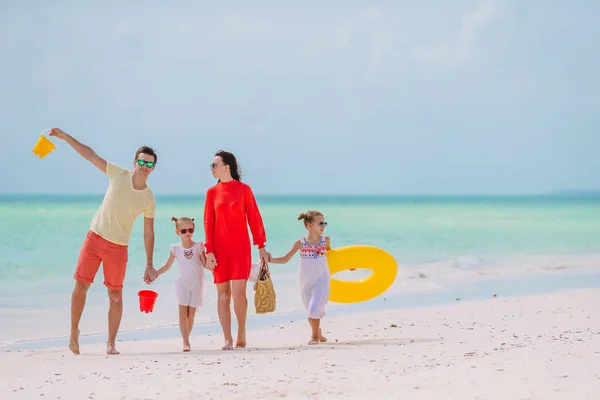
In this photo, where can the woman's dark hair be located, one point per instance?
(229, 159)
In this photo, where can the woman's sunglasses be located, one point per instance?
(322, 223)
(184, 231)
(149, 164)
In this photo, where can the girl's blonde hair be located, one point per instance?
(182, 220)
(309, 216)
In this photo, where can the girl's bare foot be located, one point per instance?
(74, 342)
(187, 347)
(314, 340)
(227, 346)
(321, 337)
(111, 349)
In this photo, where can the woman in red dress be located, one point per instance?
(229, 208)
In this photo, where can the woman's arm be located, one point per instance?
(209, 220)
(288, 256)
(259, 237)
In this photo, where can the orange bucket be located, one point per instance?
(43, 147)
(147, 300)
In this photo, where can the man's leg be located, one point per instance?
(115, 266)
(87, 267)
(115, 312)
(77, 306)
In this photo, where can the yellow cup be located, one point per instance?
(43, 147)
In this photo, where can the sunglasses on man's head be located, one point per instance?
(184, 231)
(149, 164)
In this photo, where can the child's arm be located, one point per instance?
(203, 260)
(288, 256)
(167, 265)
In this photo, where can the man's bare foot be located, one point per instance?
(321, 337)
(314, 340)
(74, 343)
(111, 350)
(227, 346)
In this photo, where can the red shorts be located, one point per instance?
(96, 250)
(231, 267)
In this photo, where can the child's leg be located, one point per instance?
(316, 308)
(190, 319)
(314, 326)
(183, 327)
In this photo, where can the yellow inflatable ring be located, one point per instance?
(383, 265)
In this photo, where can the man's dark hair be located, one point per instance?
(146, 150)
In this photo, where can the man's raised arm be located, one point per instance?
(83, 150)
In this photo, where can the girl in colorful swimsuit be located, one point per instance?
(313, 271)
(190, 285)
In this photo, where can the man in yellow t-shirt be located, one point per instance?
(107, 241)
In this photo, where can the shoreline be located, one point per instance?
(534, 346)
(541, 282)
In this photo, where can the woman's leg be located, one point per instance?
(240, 306)
(183, 327)
(224, 310)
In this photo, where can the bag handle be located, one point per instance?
(264, 270)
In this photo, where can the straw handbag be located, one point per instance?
(264, 292)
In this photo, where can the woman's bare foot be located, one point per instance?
(321, 337)
(314, 340)
(187, 347)
(227, 346)
(111, 349)
(74, 343)
(240, 343)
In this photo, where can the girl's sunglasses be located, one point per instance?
(184, 231)
(150, 164)
(322, 223)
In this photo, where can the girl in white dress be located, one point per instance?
(313, 271)
(190, 284)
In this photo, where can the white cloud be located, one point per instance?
(381, 44)
(458, 51)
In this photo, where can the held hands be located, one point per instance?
(150, 274)
(211, 262)
(265, 256)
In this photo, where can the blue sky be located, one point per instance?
(316, 97)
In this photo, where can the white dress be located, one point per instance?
(190, 284)
(314, 277)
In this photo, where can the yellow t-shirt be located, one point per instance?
(122, 204)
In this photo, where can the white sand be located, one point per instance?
(539, 347)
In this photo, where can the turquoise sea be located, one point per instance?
(446, 247)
